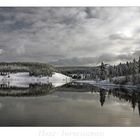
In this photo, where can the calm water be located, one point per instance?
(69, 105)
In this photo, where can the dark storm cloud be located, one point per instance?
(72, 36)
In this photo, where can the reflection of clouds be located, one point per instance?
(126, 121)
(20, 106)
(118, 111)
(68, 108)
(1, 105)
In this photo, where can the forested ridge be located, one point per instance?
(34, 68)
(122, 73)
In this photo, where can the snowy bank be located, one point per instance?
(23, 79)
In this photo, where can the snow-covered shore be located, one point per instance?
(23, 79)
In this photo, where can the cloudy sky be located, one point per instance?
(70, 36)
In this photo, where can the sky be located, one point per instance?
(70, 36)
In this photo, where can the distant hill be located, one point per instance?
(33, 68)
(76, 69)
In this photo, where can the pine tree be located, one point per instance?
(110, 73)
(102, 71)
(139, 65)
(134, 68)
(128, 68)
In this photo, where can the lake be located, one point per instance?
(73, 104)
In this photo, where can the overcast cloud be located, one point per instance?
(70, 36)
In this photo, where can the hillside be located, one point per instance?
(33, 68)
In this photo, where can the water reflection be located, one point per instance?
(36, 89)
(73, 104)
(32, 90)
(102, 96)
(129, 95)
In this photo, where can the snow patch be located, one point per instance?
(23, 79)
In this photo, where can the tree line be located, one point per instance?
(129, 71)
(33, 68)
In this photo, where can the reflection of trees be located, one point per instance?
(138, 98)
(75, 87)
(109, 93)
(134, 100)
(102, 96)
(129, 95)
(33, 90)
(139, 107)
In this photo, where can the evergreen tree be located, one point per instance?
(134, 68)
(139, 65)
(128, 68)
(110, 73)
(102, 71)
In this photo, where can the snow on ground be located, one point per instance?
(23, 79)
(20, 74)
(58, 77)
